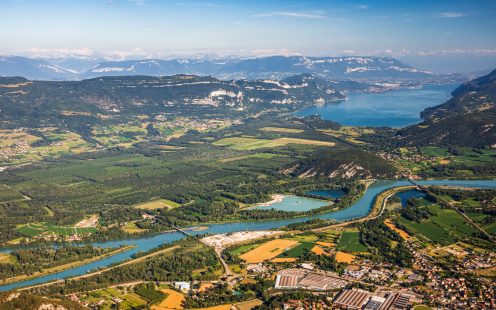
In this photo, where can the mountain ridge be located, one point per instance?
(273, 67)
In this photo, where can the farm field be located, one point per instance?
(36, 229)
(8, 194)
(247, 143)
(173, 300)
(281, 130)
(401, 232)
(349, 133)
(443, 227)
(129, 300)
(350, 242)
(298, 250)
(157, 204)
(268, 250)
(132, 228)
(342, 257)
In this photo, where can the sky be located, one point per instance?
(434, 33)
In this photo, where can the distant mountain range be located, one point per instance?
(76, 104)
(360, 68)
(468, 119)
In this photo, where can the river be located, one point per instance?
(359, 209)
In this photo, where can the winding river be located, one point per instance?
(359, 209)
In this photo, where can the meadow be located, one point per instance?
(350, 242)
(36, 229)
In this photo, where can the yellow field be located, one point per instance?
(173, 301)
(221, 307)
(249, 143)
(280, 129)
(132, 228)
(488, 272)
(157, 204)
(205, 286)
(248, 305)
(284, 260)
(5, 258)
(400, 232)
(325, 244)
(318, 250)
(342, 257)
(268, 250)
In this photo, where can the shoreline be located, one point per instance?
(64, 267)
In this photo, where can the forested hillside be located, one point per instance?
(468, 119)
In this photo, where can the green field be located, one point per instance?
(244, 248)
(298, 251)
(248, 143)
(35, 229)
(434, 151)
(350, 242)
(443, 227)
(8, 194)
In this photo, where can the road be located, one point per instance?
(228, 273)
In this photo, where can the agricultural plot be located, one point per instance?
(348, 133)
(297, 251)
(281, 130)
(8, 194)
(268, 250)
(443, 227)
(107, 296)
(248, 143)
(173, 300)
(36, 229)
(342, 257)
(157, 204)
(350, 242)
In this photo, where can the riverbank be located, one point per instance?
(358, 209)
(63, 267)
(377, 208)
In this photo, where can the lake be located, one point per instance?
(412, 193)
(327, 193)
(294, 204)
(397, 108)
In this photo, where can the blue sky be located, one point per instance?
(158, 28)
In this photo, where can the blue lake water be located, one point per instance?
(412, 193)
(294, 204)
(359, 209)
(396, 108)
(327, 193)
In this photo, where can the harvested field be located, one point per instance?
(342, 257)
(157, 204)
(247, 143)
(318, 250)
(205, 286)
(173, 301)
(5, 258)
(400, 232)
(282, 130)
(268, 250)
(284, 260)
(220, 307)
(325, 244)
(248, 305)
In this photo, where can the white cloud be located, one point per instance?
(312, 15)
(361, 6)
(138, 2)
(449, 14)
